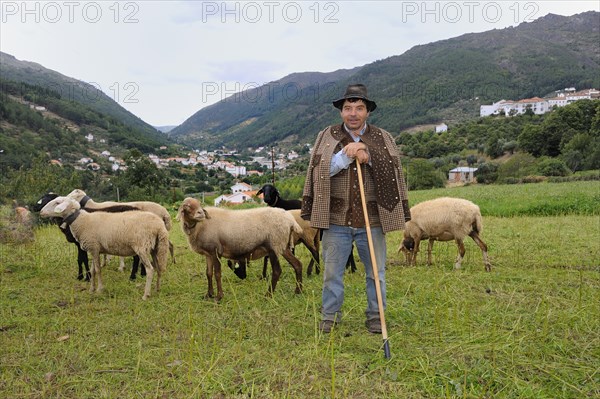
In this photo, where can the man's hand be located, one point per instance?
(357, 151)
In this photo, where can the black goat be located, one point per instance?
(82, 256)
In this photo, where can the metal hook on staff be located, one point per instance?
(386, 344)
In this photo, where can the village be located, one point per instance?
(538, 105)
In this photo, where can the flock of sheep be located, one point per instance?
(141, 229)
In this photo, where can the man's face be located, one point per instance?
(354, 114)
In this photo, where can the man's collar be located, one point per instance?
(360, 133)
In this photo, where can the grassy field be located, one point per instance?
(529, 329)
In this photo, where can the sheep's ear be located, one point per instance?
(61, 207)
(201, 214)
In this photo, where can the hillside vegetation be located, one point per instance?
(73, 90)
(60, 134)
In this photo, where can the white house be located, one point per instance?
(441, 128)
(236, 170)
(462, 174)
(241, 187)
(538, 105)
(235, 198)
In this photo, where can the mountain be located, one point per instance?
(44, 114)
(165, 129)
(258, 115)
(12, 69)
(445, 81)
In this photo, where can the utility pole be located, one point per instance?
(273, 164)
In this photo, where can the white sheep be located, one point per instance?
(309, 237)
(87, 203)
(124, 234)
(443, 219)
(238, 235)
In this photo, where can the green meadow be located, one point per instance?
(528, 329)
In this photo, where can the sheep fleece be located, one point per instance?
(232, 233)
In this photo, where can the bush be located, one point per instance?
(519, 165)
(12, 232)
(421, 175)
(552, 167)
(487, 173)
(533, 179)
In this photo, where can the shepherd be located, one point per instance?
(332, 201)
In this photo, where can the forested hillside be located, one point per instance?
(59, 131)
(507, 149)
(71, 89)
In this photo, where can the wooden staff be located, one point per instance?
(386, 343)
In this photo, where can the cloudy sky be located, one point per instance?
(165, 60)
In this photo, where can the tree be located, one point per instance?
(144, 178)
(471, 159)
(422, 175)
(494, 146)
(487, 173)
(531, 140)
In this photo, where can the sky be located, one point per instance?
(165, 60)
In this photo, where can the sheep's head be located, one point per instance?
(407, 247)
(190, 213)
(77, 195)
(270, 194)
(60, 207)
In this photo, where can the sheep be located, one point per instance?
(309, 237)
(238, 235)
(82, 256)
(272, 198)
(443, 219)
(159, 210)
(124, 234)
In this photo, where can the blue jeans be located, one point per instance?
(337, 246)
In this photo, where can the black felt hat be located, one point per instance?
(355, 91)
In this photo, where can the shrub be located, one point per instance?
(12, 232)
(533, 179)
(519, 165)
(487, 173)
(552, 167)
(420, 174)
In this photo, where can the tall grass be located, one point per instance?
(528, 329)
